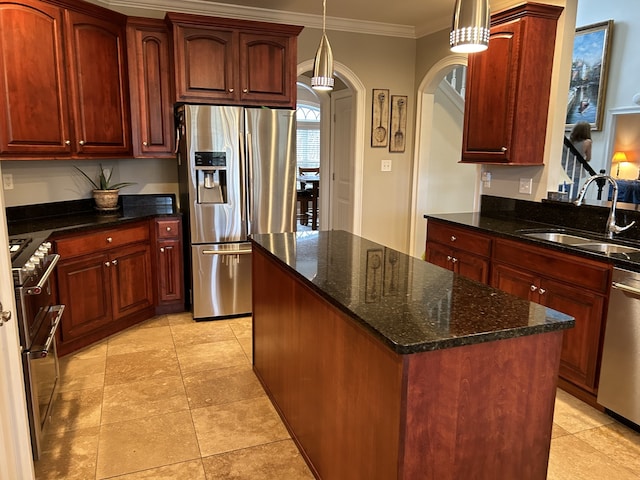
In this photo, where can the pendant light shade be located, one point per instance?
(322, 78)
(470, 29)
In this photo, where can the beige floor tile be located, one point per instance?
(274, 461)
(136, 445)
(241, 326)
(209, 356)
(78, 373)
(224, 385)
(186, 335)
(191, 470)
(228, 427)
(180, 318)
(158, 321)
(96, 350)
(140, 340)
(558, 431)
(247, 347)
(76, 409)
(130, 367)
(574, 415)
(69, 455)
(145, 398)
(617, 442)
(572, 459)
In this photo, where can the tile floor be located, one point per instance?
(176, 399)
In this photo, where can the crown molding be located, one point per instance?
(202, 7)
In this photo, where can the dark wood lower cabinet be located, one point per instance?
(358, 409)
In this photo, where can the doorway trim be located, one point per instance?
(359, 93)
(425, 99)
(612, 124)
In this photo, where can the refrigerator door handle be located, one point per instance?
(249, 163)
(244, 251)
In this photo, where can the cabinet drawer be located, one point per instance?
(169, 228)
(82, 244)
(570, 269)
(459, 238)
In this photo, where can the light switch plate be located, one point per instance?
(385, 166)
(7, 181)
(526, 185)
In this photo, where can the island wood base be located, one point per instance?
(359, 410)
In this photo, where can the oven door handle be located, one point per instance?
(41, 352)
(37, 290)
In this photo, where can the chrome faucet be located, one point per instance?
(611, 222)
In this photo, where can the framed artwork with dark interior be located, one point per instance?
(589, 68)
(379, 117)
(398, 123)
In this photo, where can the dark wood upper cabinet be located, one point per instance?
(64, 78)
(508, 86)
(34, 118)
(150, 77)
(234, 62)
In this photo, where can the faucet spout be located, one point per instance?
(612, 228)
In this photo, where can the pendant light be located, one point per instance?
(470, 29)
(323, 64)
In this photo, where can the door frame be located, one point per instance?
(358, 91)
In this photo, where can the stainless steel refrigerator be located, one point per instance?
(237, 175)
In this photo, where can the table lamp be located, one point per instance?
(618, 158)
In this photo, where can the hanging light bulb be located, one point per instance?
(470, 29)
(323, 64)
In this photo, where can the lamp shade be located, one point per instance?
(470, 29)
(618, 158)
(322, 78)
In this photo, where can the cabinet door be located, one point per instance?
(439, 255)
(206, 65)
(98, 76)
(471, 266)
(490, 98)
(267, 70)
(517, 282)
(85, 289)
(131, 280)
(150, 84)
(170, 271)
(34, 118)
(579, 359)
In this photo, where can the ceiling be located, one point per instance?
(405, 18)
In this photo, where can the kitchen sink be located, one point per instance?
(608, 248)
(564, 238)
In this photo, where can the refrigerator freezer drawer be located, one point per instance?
(221, 280)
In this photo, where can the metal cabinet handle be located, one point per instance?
(161, 249)
(144, 144)
(67, 142)
(107, 264)
(5, 316)
(245, 90)
(109, 239)
(533, 288)
(542, 291)
(454, 259)
(231, 90)
(504, 149)
(114, 262)
(168, 229)
(453, 238)
(81, 142)
(448, 258)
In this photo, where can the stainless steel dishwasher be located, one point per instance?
(619, 389)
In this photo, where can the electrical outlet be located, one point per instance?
(7, 181)
(385, 166)
(526, 185)
(486, 179)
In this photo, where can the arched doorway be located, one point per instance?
(342, 156)
(440, 183)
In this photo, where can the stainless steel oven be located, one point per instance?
(38, 318)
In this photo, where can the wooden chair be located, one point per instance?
(307, 201)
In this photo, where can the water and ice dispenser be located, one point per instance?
(211, 176)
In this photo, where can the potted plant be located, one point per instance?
(105, 193)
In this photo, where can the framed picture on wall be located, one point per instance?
(379, 117)
(589, 68)
(398, 123)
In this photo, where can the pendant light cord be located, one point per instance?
(324, 15)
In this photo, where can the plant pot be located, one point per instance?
(106, 199)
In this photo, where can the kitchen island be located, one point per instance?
(384, 366)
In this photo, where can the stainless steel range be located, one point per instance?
(32, 265)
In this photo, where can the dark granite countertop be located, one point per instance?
(79, 215)
(520, 216)
(411, 305)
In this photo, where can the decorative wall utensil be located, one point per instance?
(379, 117)
(398, 123)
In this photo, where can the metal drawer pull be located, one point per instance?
(533, 288)
(625, 288)
(542, 291)
(168, 229)
(453, 238)
(161, 249)
(109, 239)
(114, 262)
(107, 264)
(227, 252)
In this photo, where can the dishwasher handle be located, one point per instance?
(243, 251)
(626, 288)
